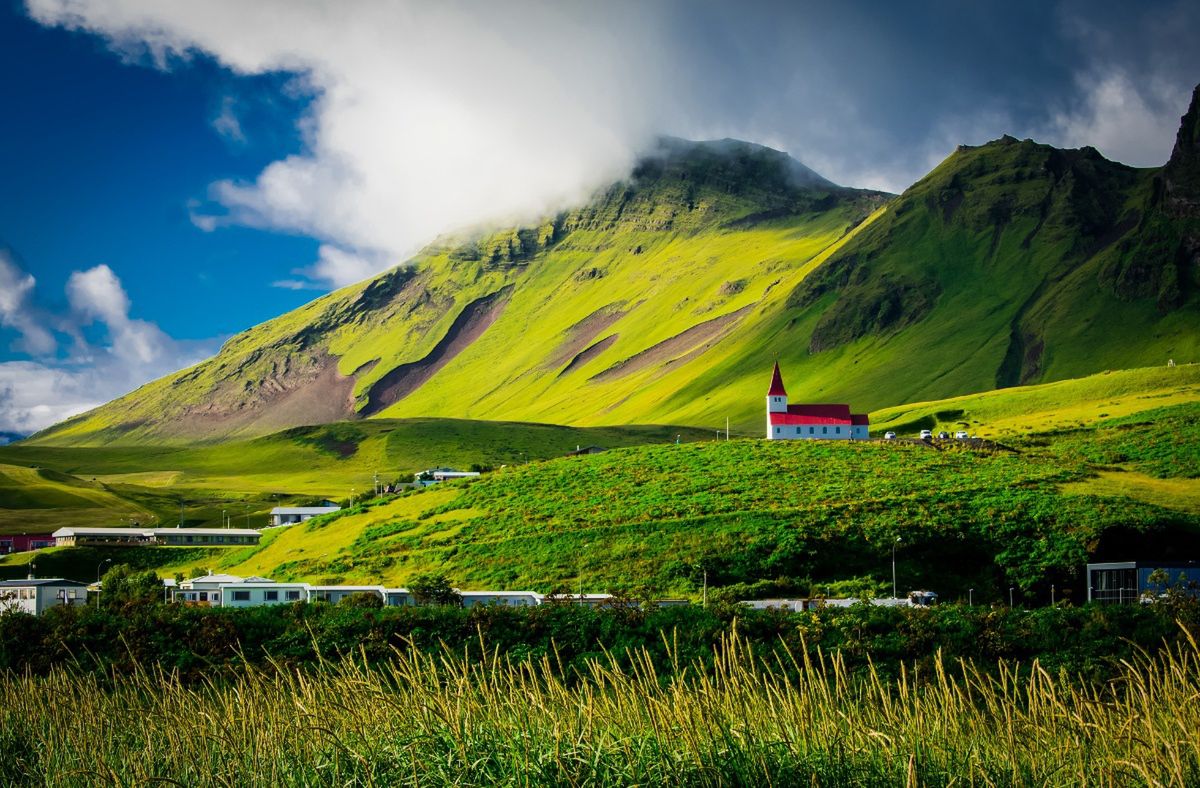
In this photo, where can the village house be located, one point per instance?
(152, 537)
(503, 598)
(210, 589)
(810, 422)
(36, 596)
(20, 543)
(288, 515)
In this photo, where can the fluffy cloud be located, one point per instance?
(44, 390)
(16, 310)
(429, 116)
(425, 116)
(1132, 121)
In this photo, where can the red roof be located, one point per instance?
(839, 412)
(818, 414)
(792, 419)
(777, 389)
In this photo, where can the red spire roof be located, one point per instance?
(777, 389)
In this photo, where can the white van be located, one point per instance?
(962, 435)
(926, 435)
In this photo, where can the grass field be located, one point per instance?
(443, 720)
(814, 514)
(96, 486)
(1049, 407)
(1097, 457)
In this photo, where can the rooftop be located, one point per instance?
(49, 581)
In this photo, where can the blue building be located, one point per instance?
(1127, 582)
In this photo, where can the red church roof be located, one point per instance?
(818, 414)
(777, 389)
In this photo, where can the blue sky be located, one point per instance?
(174, 172)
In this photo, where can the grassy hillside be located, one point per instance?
(47, 487)
(666, 298)
(1077, 403)
(1107, 465)
(793, 517)
(41, 500)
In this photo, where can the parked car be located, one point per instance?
(889, 436)
(943, 436)
(926, 435)
(962, 435)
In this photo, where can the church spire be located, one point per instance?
(777, 389)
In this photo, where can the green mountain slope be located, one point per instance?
(791, 515)
(666, 298)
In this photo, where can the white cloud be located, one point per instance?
(334, 268)
(37, 393)
(1128, 120)
(16, 311)
(226, 122)
(426, 117)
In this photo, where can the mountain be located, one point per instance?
(666, 298)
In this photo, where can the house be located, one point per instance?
(335, 594)
(210, 589)
(255, 592)
(152, 537)
(36, 596)
(502, 598)
(287, 515)
(1127, 582)
(20, 543)
(810, 422)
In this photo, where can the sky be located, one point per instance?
(173, 172)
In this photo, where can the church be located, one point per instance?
(810, 422)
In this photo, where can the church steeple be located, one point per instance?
(777, 395)
(777, 389)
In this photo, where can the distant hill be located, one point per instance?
(666, 298)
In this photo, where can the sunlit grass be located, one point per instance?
(425, 719)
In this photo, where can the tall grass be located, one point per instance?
(442, 720)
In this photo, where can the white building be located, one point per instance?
(503, 598)
(286, 515)
(36, 596)
(335, 594)
(810, 422)
(155, 537)
(210, 589)
(254, 593)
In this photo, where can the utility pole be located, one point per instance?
(894, 567)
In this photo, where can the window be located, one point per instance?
(839, 430)
(241, 596)
(204, 596)
(824, 430)
(271, 596)
(811, 430)
(776, 430)
(293, 595)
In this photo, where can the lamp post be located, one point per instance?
(1010, 597)
(971, 597)
(223, 525)
(894, 567)
(98, 568)
(1051, 595)
(579, 571)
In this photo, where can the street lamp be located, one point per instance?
(579, 571)
(894, 567)
(98, 568)
(971, 596)
(1010, 597)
